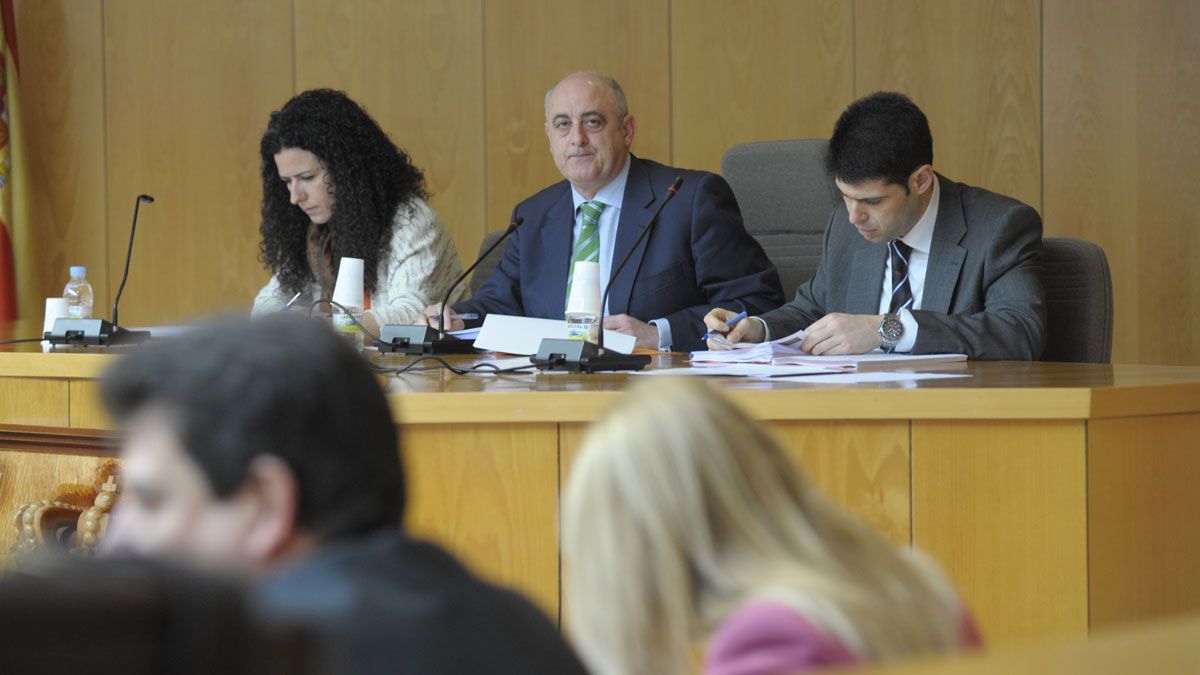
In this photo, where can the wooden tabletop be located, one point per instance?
(992, 390)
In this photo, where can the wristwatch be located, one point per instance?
(890, 332)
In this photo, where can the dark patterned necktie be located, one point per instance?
(901, 290)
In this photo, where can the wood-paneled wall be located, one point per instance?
(1086, 110)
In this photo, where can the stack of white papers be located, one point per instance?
(786, 352)
(755, 352)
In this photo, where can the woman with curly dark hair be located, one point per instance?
(334, 186)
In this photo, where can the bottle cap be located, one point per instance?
(78, 271)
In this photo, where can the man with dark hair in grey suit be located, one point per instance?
(912, 262)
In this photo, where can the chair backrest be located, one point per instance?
(785, 196)
(1079, 306)
(489, 263)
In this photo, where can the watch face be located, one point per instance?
(891, 329)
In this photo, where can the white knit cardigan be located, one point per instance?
(414, 273)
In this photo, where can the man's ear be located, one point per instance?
(629, 127)
(273, 525)
(921, 180)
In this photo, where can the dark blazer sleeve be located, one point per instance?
(501, 292)
(1011, 324)
(731, 268)
(810, 301)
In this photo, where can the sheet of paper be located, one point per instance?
(876, 359)
(876, 377)
(465, 334)
(744, 370)
(521, 335)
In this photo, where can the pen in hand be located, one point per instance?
(730, 322)
(457, 317)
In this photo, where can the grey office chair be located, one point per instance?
(489, 263)
(786, 197)
(1079, 305)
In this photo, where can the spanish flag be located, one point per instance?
(11, 199)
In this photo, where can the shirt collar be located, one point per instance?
(920, 237)
(612, 194)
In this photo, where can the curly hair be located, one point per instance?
(369, 176)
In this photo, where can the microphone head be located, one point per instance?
(675, 186)
(146, 198)
(517, 223)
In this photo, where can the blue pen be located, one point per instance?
(732, 320)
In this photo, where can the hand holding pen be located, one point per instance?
(727, 328)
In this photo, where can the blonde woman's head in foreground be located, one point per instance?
(680, 509)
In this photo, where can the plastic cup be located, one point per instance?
(585, 289)
(56, 308)
(348, 290)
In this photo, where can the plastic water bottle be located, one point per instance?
(343, 323)
(583, 326)
(78, 294)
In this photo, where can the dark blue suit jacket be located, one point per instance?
(699, 256)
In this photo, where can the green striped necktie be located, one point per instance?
(587, 246)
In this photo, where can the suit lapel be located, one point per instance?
(557, 234)
(636, 208)
(866, 279)
(945, 255)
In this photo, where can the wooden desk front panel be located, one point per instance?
(34, 402)
(1143, 517)
(861, 465)
(1002, 505)
(489, 493)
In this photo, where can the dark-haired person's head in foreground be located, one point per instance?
(265, 447)
(249, 441)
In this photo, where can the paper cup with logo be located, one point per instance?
(583, 306)
(348, 292)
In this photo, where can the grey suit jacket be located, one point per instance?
(983, 288)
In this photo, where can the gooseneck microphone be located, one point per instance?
(671, 192)
(512, 227)
(584, 357)
(414, 340)
(129, 253)
(99, 332)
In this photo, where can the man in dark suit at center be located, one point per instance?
(698, 257)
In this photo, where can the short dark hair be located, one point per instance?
(285, 385)
(880, 136)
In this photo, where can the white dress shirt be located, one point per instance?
(613, 196)
(919, 239)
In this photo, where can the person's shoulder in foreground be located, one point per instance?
(765, 637)
(265, 449)
(434, 615)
